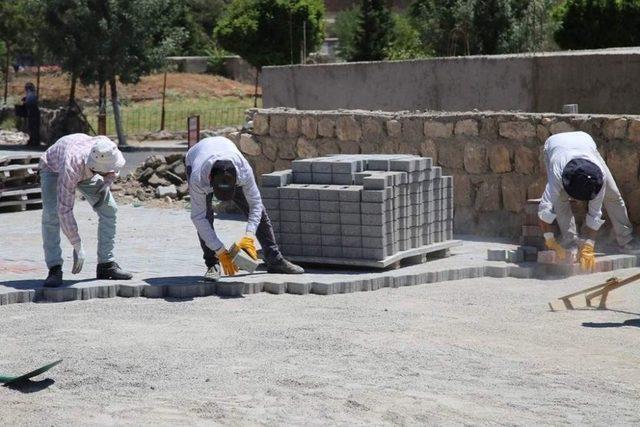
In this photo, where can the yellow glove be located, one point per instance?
(228, 266)
(551, 244)
(587, 256)
(248, 245)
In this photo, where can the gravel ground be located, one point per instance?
(482, 351)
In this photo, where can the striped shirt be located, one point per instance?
(68, 157)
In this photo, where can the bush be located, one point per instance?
(405, 40)
(592, 24)
(345, 27)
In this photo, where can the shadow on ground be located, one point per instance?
(630, 322)
(29, 386)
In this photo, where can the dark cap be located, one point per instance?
(223, 179)
(582, 179)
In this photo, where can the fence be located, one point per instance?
(142, 120)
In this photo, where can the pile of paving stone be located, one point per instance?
(158, 177)
(359, 207)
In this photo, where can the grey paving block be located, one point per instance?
(288, 192)
(373, 230)
(330, 229)
(228, 289)
(291, 239)
(373, 253)
(298, 288)
(289, 204)
(310, 228)
(378, 164)
(273, 214)
(351, 230)
(288, 227)
(302, 165)
(329, 193)
(345, 167)
(359, 176)
(374, 242)
(496, 255)
(276, 179)
(350, 193)
(405, 165)
(342, 179)
(310, 205)
(309, 216)
(623, 261)
(322, 178)
(309, 192)
(332, 251)
(269, 192)
(331, 240)
(311, 239)
(374, 196)
(373, 208)
(302, 178)
(275, 287)
(350, 218)
(351, 241)
(290, 216)
(291, 249)
(367, 219)
(321, 166)
(519, 272)
(496, 271)
(309, 250)
(515, 256)
(323, 288)
(329, 217)
(271, 203)
(350, 207)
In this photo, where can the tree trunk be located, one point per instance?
(116, 111)
(102, 108)
(72, 91)
(255, 91)
(6, 73)
(38, 81)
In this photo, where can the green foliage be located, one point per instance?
(13, 21)
(201, 21)
(591, 24)
(434, 21)
(346, 27)
(270, 32)
(215, 59)
(374, 32)
(405, 40)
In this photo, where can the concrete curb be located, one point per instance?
(238, 289)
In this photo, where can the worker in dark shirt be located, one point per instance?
(32, 112)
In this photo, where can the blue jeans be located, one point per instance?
(51, 223)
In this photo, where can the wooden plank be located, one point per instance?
(20, 202)
(19, 192)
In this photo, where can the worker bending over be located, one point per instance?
(576, 170)
(215, 166)
(90, 165)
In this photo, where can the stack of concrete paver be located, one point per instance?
(19, 183)
(359, 207)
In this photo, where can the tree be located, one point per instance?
(346, 28)
(593, 24)
(106, 41)
(271, 32)
(405, 40)
(374, 31)
(13, 21)
(200, 18)
(434, 21)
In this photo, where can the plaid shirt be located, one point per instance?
(68, 157)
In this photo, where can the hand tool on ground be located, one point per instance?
(11, 379)
(602, 290)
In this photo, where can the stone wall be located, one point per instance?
(495, 158)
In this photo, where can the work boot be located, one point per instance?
(111, 271)
(631, 248)
(284, 267)
(54, 279)
(213, 273)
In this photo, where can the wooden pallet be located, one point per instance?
(18, 200)
(20, 159)
(19, 171)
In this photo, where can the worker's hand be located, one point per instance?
(551, 244)
(247, 244)
(228, 266)
(587, 255)
(78, 258)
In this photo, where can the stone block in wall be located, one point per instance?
(463, 196)
(306, 149)
(450, 154)
(525, 160)
(475, 158)
(464, 220)
(623, 163)
(615, 128)
(269, 148)
(514, 192)
(487, 193)
(435, 129)
(412, 130)
(632, 201)
(326, 127)
(277, 125)
(328, 146)
(349, 147)
(542, 133)
(287, 149)
(408, 148)
(260, 124)
(500, 223)
(309, 127)
(394, 128)
(488, 127)
(536, 188)
(634, 130)
(372, 130)
(293, 126)
(348, 129)
(468, 127)
(517, 130)
(429, 148)
(249, 146)
(499, 158)
(261, 166)
(559, 127)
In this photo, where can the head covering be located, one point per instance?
(223, 179)
(582, 179)
(105, 156)
(30, 86)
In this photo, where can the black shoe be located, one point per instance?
(111, 271)
(54, 279)
(284, 267)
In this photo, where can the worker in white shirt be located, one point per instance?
(215, 166)
(575, 170)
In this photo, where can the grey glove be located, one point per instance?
(103, 196)
(78, 258)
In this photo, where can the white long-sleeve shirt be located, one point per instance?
(200, 158)
(559, 150)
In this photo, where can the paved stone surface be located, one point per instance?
(160, 247)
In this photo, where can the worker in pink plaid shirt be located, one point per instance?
(90, 165)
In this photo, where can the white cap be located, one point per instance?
(105, 156)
